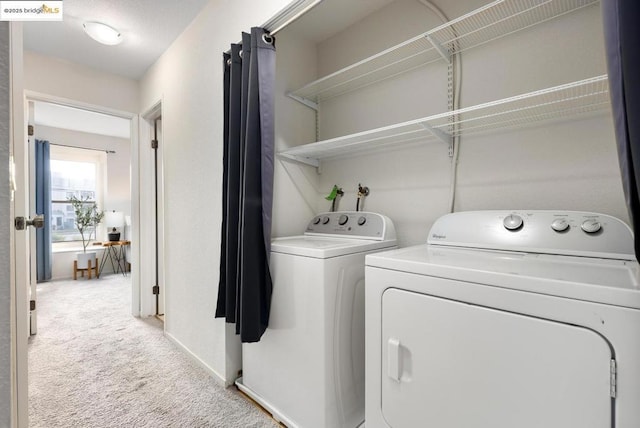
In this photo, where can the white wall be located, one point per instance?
(568, 165)
(56, 77)
(296, 186)
(5, 267)
(188, 79)
(117, 194)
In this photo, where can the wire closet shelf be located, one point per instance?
(571, 100)
(495, 20)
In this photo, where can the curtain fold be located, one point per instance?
(622, 44)
(43, 206)
(244, 292)
(222, 289)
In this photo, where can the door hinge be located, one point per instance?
(32, 305)
(156, 289)
(30, 130)
(154, 144)
(613, 378)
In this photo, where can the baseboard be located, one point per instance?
(214, 374)
(276, 414)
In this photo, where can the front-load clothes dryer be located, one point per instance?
(308, 368)
(522, 319)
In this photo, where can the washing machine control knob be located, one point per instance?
(591, 225)
(362, 220)
(343, 219)
(325, 219)
(316, 220)
(560, 224)
(512, 222)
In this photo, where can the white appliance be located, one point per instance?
(308, 368)
(523, 319)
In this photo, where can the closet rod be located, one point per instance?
(284, 15)
(293, 18)
(110, 152)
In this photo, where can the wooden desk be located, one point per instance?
(114, 251)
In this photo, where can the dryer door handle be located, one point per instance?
(394, 357)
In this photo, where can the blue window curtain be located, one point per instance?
(43, 206)
(622, 44)
(244, 292)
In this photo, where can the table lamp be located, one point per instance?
(114, 220)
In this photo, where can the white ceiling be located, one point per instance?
(148, 28)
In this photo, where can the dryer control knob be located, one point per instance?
(316, 220)
(512, 222)
(343, 220)
(362, 220)
(591, 225)
(560, 224)
(325, 219)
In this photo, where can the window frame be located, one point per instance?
(77, 154)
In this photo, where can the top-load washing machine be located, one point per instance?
(523, 319)
(308, 368)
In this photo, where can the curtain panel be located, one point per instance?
(622, 44)
(43, 206)
(244, 292)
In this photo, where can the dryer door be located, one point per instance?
(455, 365)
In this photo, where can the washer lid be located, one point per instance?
(325, 247)
(615, 282)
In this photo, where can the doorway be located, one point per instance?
(76, 130)
(89, 157)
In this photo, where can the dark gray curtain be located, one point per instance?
(622, 43)
(43, 206)
(244, 293)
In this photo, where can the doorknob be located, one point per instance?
(37, 222)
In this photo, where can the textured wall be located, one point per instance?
(5, 291)
(53, 76)
(188, 80)
(570, 165)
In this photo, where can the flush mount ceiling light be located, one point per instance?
(102, 33)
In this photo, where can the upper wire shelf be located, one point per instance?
(566, 101)
(495, 20)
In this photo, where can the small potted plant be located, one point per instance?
(87, 217)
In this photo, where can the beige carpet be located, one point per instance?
(93, 365)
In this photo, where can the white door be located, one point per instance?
(449, 364)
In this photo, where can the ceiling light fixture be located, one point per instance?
(102, 33)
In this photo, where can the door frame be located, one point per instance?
(134, 185)
(147, 228)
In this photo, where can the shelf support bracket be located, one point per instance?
(304, 101)
(301, 159)
(440, 135)
(441, 50)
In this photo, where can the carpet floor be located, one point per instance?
(94, 365)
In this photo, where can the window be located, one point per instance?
(74, 172)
